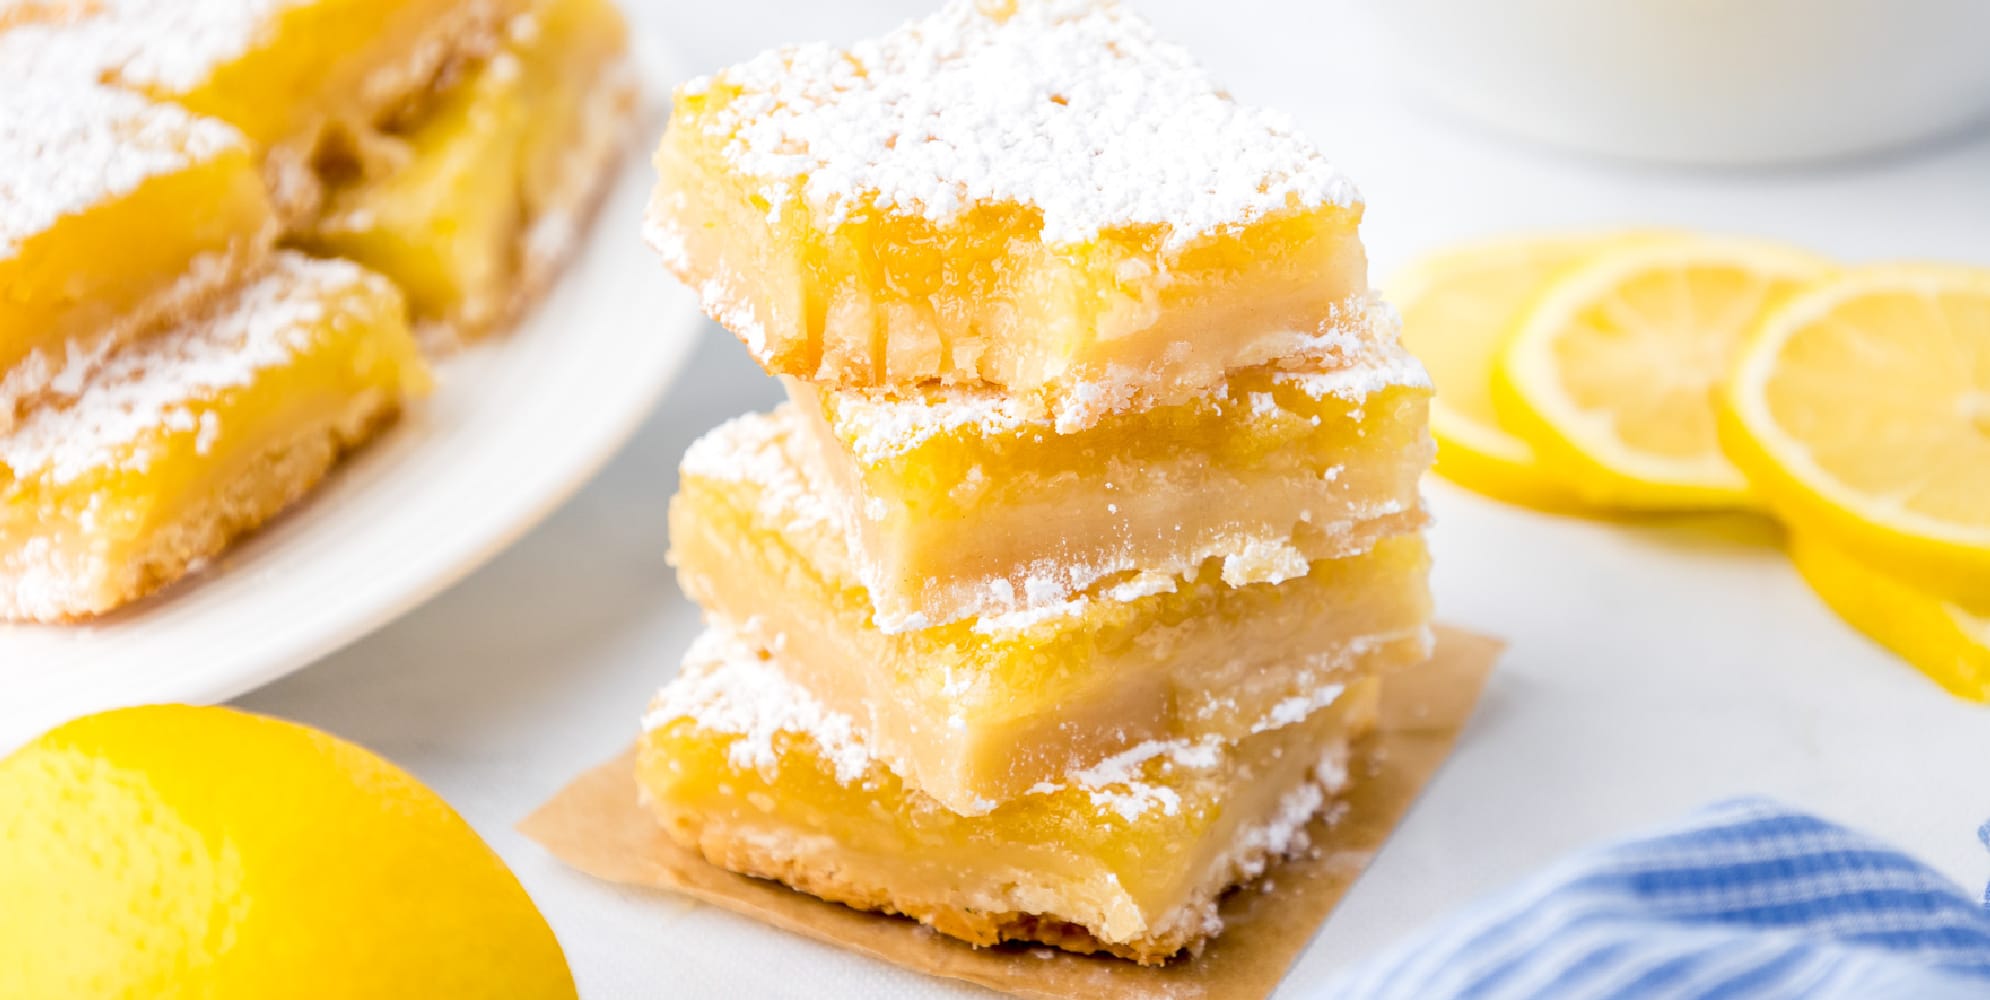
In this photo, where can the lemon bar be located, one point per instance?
(190, 438)
(290, 74)
(492, 178)
(116, 215)
(1038, 194)
(1128, 858)
(976, 711)
(966, 502)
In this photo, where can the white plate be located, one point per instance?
(515, 427)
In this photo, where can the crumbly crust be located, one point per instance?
(43, 586)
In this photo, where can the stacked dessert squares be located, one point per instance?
(223, 224)
(1051, 605)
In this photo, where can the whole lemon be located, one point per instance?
(172, 851)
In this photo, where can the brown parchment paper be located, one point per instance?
(596, 825)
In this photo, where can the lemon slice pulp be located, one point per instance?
(1612, 375)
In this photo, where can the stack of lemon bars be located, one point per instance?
(1049, 605)
(222, 225)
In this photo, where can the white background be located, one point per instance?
(1653, 668)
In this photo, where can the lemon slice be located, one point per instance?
(1944, 641)
(1612, 374)
(1458, 306)
(1861, 409)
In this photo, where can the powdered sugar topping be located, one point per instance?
(754, 448)
(186, 39)
(1073, 107)
(878, 424)
(161, 382)
(66, 148)
(726, 686)
(166, 46)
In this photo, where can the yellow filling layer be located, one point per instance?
(482, 162)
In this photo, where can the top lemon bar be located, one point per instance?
(1039, 194)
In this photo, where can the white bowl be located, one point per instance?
(1702, 81)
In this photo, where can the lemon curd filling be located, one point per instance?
(480, 192)
(1129, 857)
(978, 710)
(1106, 225)
(965, 501)
(115, 215)
(197, 435)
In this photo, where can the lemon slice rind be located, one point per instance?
(1944, 557)
(1471, 451)
(1944, 641)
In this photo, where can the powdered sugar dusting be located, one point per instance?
(160, 381)
(1124, 783)
(1299, 707)
(727, 686)
(877, 424)
(755, 449)
(1073, 107)
(1119, 783)
(188, 38)
(170, 46)
(67, 148)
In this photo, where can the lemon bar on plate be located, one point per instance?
(116, 216)
(1038, 194)
(292, 75)
(192, 437)
(978, 710)
(1129, 857)
(473, 197)
(966, 502)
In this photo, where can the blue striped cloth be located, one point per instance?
(1746, 899)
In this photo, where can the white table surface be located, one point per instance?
(1653, 668)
